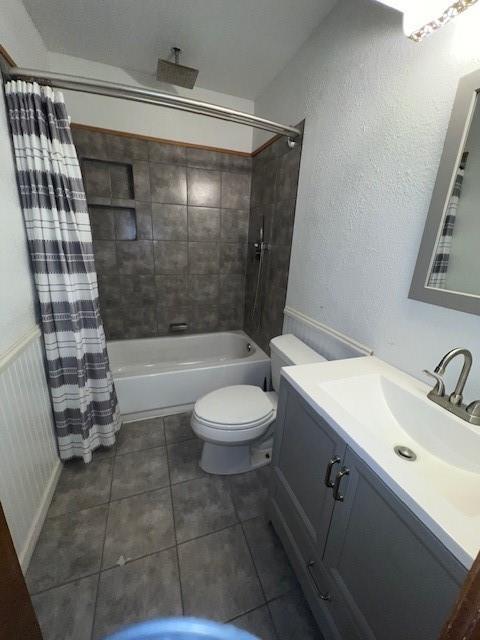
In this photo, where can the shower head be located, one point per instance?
(175, 73)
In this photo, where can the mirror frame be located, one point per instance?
(463, 109)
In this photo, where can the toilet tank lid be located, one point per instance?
(294, 350)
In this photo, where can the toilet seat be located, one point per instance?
(233, 415)
(237, 407)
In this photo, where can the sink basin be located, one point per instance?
(374, 408)
(409, 418)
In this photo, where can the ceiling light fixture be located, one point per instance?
(421, 19)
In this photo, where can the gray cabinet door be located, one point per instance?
(300, 503)
(398, 581)
(304, 446)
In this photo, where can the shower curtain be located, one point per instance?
(438, 273)
(60, 244)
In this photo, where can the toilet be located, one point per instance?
(236, 423)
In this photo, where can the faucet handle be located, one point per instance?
(439, 388)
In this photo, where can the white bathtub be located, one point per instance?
(155, 376)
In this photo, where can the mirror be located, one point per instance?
(447, 272)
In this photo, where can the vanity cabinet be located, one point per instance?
(369, 568)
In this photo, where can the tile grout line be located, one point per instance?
(147, 555)
(205, 535)
(246, 542)
(269, 614)
(174, 529)
(103, 504)
(266, 601)
(103, 552)
(126, 453)
(150, 490)
(260, 582)
(142, 557)
(32, 594)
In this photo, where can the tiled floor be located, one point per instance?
(143, 532)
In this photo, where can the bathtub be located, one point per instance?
(157, 376)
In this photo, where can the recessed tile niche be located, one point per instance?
(105, 179)
(113, 223)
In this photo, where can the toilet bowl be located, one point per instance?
(237, 423)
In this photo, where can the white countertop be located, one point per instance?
(444, 497)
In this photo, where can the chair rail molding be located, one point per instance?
(17, 347)
(330, 342)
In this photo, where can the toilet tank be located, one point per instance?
(287, 350)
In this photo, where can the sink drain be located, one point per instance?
(405, 453)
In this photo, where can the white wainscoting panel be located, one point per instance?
(29, 462)
(332, 344)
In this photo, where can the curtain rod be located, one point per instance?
(151, 96)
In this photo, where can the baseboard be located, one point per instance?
(25, 555)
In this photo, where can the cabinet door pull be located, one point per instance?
(328, 473)
(338, 479)
(323, 596)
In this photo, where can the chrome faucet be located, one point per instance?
(457, 396)
(454, 402)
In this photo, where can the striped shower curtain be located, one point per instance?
(60, 243)
(441, 260)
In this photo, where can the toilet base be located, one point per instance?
(226, 460)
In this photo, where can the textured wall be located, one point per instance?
(170, 228)
(377, 107)
(274, 189)
(19, 36)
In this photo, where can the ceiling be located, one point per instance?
(238, 45)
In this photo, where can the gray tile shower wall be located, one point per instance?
(170, 231)
(275, 172)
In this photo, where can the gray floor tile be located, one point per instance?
(139, 471)
(66, 612)
(139, 525)
(144, 434)
(293, 619)
(102, 453)
(183, 460)
(177, 427)
(257, 622)
(139, 590)
(69, 547)
(218, 577)
(82, 485)
(202, 506)
(249, 492)
(270, 559)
